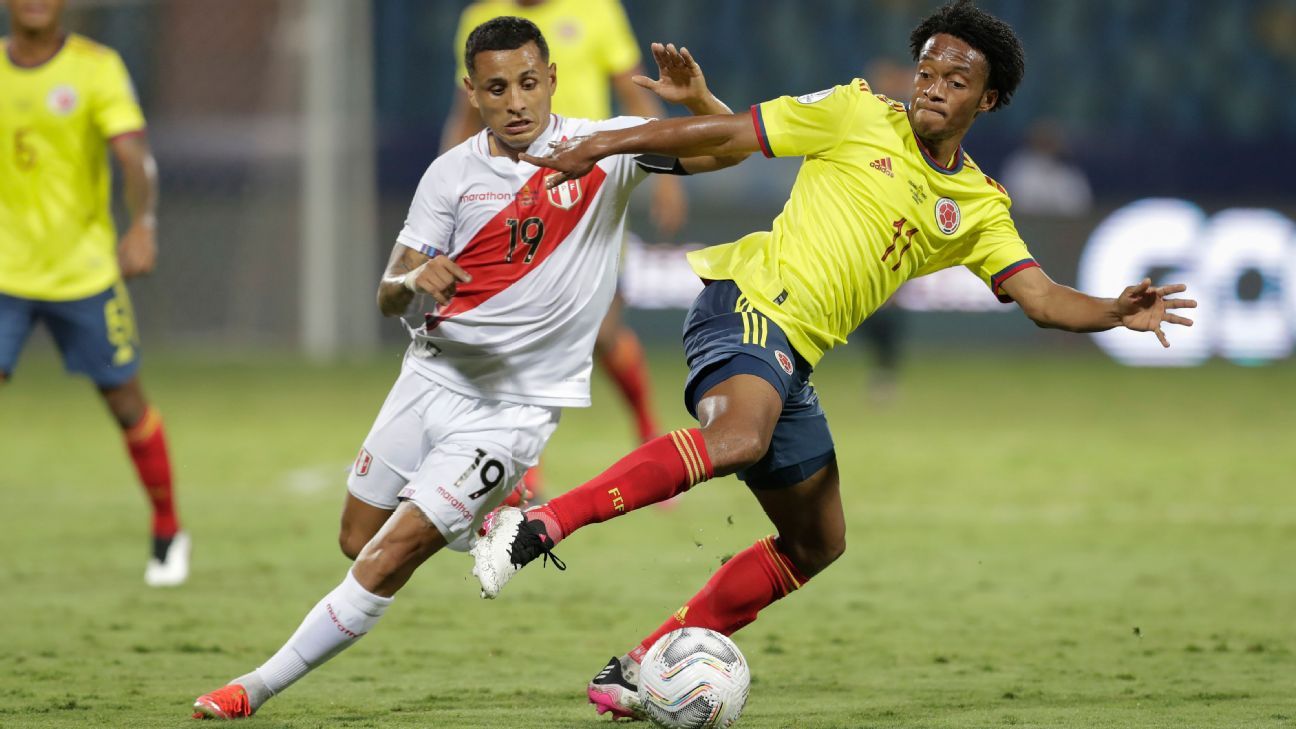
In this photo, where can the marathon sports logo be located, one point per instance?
(344, 630)
(784, 361)
(525, 196)
(362, 462)
(455, 502)
(62, 100)
(883, 165)
(948, 215)
(566, 195)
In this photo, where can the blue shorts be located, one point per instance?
(723, 337)
(96, 335)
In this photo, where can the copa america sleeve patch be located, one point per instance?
(816, 96)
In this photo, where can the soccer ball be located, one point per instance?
(694, 678)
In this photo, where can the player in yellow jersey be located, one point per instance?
(885, 193)
(594, 48)
(67, 102)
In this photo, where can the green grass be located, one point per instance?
(1046, 542)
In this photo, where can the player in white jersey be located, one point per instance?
(522, 276)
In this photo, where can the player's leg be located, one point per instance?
(360, 523)
(810, 535)
(811, 531)
(469, 470)
(17, 317)
(146, 443)
(339, 619)
(740, 361)
(621, 355)
(736, 419)
(797, 484)
(97, 337)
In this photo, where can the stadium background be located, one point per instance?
(290, 136)
(1040, 537)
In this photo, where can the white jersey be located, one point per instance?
(543, 264)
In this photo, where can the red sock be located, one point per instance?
(146, 442)
(526, 490)
(741, 588)
(629, 369)
(653, 472)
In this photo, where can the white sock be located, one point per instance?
(337, 621)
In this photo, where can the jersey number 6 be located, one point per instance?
(24, 153)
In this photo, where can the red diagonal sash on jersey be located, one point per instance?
(484, 257)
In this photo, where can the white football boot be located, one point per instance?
(509, 542)
(174, 568)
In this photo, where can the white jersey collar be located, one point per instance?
(539, 148)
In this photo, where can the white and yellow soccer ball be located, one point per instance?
(694, 678)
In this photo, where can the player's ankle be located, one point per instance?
(636, 655)
(545, 516)
(257, 690)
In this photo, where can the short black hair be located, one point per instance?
(991, 36)
(505, 33)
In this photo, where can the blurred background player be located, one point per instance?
(776, 302)
(65, 101)
(593, 45)
(1042, 177)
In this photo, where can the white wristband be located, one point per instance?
(408, 279)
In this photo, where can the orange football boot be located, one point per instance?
(227, 702)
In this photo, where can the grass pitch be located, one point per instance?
(1054, 542)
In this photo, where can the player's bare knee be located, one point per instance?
(126, 403)
(734, 448)
(813, 554)
(351, 543)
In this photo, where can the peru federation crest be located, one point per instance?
(566, 195)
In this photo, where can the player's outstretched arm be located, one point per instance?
(1141, 307)
(410, 272)
(725, 135)
(681, 81)
(669, 207)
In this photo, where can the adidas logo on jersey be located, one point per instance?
(883, 165)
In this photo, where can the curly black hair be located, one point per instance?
(991, 36)
(505, 33)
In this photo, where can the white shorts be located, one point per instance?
(455, 456)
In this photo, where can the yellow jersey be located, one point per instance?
(869, 210)
(57, 240)
(590, 41)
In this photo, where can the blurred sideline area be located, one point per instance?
(290, 135)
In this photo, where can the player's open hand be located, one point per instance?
(439, 277)
(1144, 308)
(137, 250)
(680, 77)
(569, 159)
